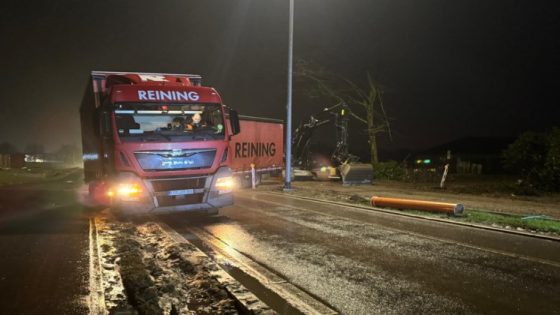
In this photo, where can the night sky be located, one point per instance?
(449, 69)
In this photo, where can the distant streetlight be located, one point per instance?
(287, 176)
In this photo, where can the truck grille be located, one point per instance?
(180, 183)
(161, 187)
(166, 201)
(181, 159)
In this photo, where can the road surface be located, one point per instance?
(43, 246)
(362, 262)
(355, 261)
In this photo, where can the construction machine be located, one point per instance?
(345, 165)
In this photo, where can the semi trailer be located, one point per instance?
(161, 142)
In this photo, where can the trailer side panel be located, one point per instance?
(261, 143)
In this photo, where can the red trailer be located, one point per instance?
(258, 149)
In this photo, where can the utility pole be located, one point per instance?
(288, 173)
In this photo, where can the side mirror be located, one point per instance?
(234, 121)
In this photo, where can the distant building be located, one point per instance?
(12, 160)
(471, 155)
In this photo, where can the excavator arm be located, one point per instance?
(339, 115)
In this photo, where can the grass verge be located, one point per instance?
(501, 220)
(30, 174)
(534, 223)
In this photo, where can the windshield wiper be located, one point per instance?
(207, 136)
(150, 138)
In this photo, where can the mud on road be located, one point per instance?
(145, 270)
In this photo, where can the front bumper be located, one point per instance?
(179, 194)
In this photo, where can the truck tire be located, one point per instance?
(245, 182)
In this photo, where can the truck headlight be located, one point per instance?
(126, 191)
(224, 184)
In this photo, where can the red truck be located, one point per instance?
(159, 142)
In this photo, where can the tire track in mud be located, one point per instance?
(142, 267)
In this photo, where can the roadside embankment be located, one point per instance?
(540, 215)
(32, 173)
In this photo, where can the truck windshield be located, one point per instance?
(169, 122)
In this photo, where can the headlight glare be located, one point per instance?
(126, 190)
(224, 184)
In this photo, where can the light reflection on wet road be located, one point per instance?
(362, 267)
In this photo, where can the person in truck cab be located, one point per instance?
(177, 123)
(195, 123)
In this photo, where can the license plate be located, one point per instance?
(180, 192)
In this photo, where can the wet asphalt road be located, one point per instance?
(364, 263)
(358, 262)
(43, 246)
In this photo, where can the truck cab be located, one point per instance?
(156, 143)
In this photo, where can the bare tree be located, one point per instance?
(339, 89)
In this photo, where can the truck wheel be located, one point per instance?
(245, 182)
